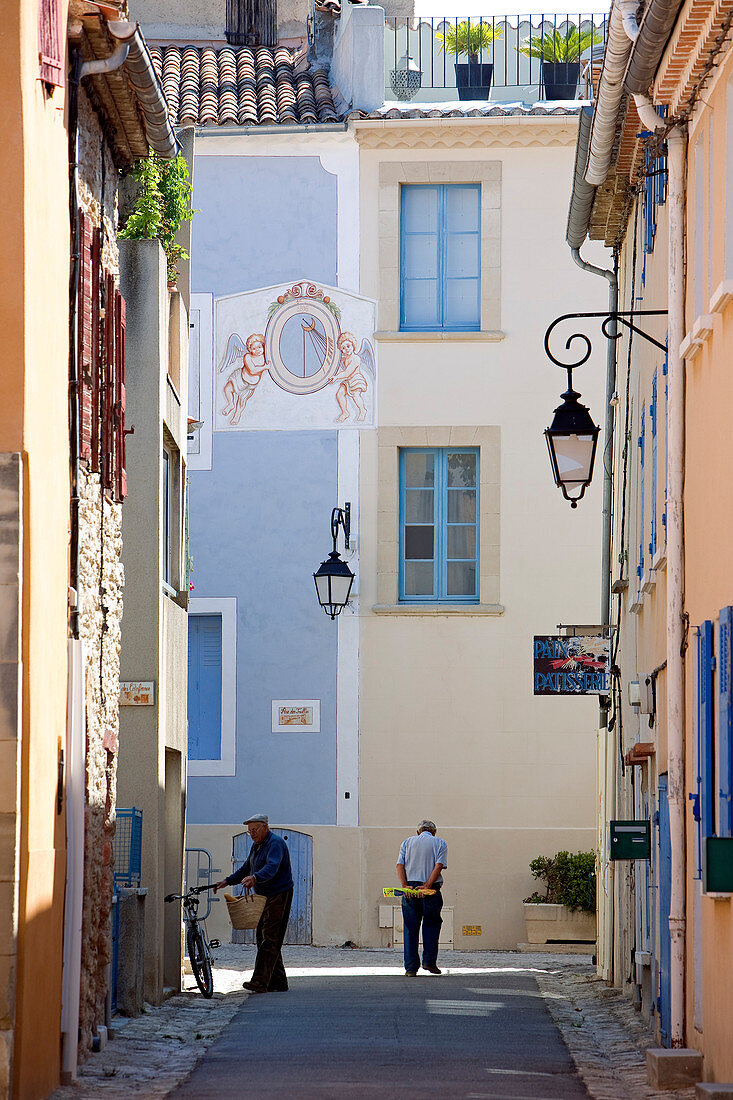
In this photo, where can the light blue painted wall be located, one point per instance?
(259, 521)
(260, 221)
(259, 528)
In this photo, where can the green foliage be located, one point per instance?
(163, 203)
(557, 45)
(570, 878)
(469, 37)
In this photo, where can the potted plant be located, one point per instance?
(468, 38)
(161, 205)
(560, 52)
(566, 912)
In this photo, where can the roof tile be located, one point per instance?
(241, 86)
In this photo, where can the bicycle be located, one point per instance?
(197, 945)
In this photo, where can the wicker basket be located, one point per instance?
(245, 911)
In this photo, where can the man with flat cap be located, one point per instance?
(421, 862)
(266, 870)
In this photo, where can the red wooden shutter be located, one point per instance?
(84, 324)
(120, 471)
(96, 343)
(50, 49)
(108, 384)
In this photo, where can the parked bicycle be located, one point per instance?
(197, 945)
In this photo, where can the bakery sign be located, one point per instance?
(296, 715)
(572, 665)
(137, 693)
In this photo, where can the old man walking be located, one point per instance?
(266, 870)
(421, 862)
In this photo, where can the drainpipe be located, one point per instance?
(612, 278)
(676, 156)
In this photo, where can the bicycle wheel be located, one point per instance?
(200, 961)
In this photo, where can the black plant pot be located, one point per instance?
(560, 79)
(473, 79)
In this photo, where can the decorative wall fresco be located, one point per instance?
(296, 355)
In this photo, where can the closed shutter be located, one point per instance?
(705, 725)
(85, 328)
(96, 388)
(108, 385)
(50, 49)
(204, 687)
(119, 404)
(725, 737)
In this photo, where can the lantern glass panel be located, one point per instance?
(573, 455)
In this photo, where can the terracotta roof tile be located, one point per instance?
(241, 86)
(470, 110)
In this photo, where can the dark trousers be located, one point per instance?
(426, 912)
(269, 973)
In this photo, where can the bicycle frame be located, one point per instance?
(198, 945)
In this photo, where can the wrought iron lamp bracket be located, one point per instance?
(341, 517)
(619, 316)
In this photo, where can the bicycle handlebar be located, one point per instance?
(192, 890)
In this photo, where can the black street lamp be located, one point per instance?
(334, 578)
(571, 441)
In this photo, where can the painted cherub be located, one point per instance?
(350, 377)
(243, 381)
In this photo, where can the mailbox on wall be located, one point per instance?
(630, 840)
(717, 865)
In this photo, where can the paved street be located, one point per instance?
(473, 1033)
(353, 1026)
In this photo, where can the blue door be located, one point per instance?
(664, 870)
(300, 846)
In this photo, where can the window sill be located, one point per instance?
(435, 609)
(486, 336)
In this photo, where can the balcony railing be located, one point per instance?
(421, 66)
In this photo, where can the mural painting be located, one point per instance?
(299, 355)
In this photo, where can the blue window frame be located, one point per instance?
(439, 525)
(204, 687)
(655, 188)
(440, 257)
(705, 731)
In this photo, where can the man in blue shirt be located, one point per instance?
(420, 863)
(266, 871)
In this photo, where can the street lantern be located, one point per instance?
(334, 578)
(571, 441)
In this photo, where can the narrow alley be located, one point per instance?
(494, 1024)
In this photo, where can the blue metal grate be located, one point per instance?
(128, 845)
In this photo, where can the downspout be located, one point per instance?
(676, 145)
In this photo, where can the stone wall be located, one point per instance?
(100, 613)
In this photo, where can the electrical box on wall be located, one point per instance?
(630, 840)
(646, 695)
(717, 865)
(634, 693)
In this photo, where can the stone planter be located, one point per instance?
(556, 924)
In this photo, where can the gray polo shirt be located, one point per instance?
(420, 853)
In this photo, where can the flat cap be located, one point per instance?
(256, 817)
(428, 826)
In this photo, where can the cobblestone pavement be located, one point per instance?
(152, 1054)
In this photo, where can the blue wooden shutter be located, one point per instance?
(204, 687)
(705, 726)
(653, 413)
(725, 736)
(640, 566)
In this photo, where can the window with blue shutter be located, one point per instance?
(725, 732)
(706, 759)
(439, 532)
(653, 413)
(666, 433)
(204, 687)
(440, 257)
(642, 495)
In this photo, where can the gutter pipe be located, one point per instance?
(132, 52)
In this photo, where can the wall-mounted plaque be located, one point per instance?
(296, 715)
(137, 693)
